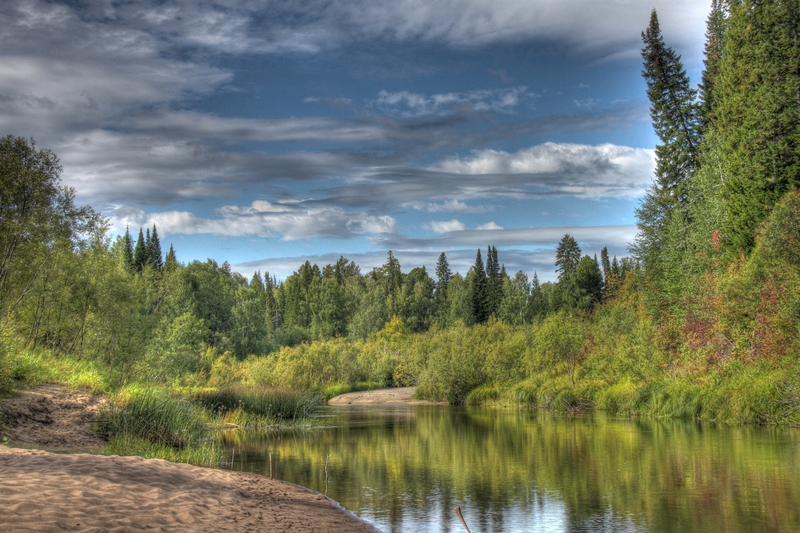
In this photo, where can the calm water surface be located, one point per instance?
(406, 468)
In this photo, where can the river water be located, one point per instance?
(405, 468)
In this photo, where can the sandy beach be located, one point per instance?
(55, 492)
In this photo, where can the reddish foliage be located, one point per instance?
(769, 339)
(715, 240)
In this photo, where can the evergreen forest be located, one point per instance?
(701, 320)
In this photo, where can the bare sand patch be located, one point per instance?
(393, 396)
(52, 418)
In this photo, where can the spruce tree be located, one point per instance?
(494, 282)
(675, 115)
(568, 255)
(171, 263)
(271, 304)
(139, 252)
(715, 42)
(606, 264)
(478, 290)
(127, 251)
(154, 251)
(757, 114)
(443, 275)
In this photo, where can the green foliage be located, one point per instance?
(453, 365)
(311, 366)
(559, 342)
(176, 349)
(482, 395)
(5, 369)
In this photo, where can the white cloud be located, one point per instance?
(288, 220)
(446, 226)
(575, 169)
(489, 226)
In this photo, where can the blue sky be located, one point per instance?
(267, 133)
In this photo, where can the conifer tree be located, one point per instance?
(606, 264)
(675, 115)
(568, 255)
(757, 114)
(127, 251)
(171, 263)
(271, 304)
(154, 251)
(140, 252)
(494, 282)
(478, 290)
(715, 41)
(443, 275)
(537, 303)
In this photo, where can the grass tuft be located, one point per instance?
(259, 405)
(138, 413)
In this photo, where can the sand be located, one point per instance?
(45, 492)
(49, 492)
(395, 396)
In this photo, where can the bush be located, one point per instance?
(482, 395)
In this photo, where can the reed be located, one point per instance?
(259, 405)
(138, 413)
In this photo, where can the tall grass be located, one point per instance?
(258, 405)
(206, 453)
(138, 413)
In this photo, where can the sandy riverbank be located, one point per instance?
(394, 396)
(47, 492)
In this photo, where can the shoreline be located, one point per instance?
(76, 490)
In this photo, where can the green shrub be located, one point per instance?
(482, 395)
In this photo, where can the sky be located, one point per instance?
(267, 133)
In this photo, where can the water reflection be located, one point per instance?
(407, 468)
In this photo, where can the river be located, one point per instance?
(405, 468)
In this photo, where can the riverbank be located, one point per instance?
(45, 491)
(392, 396)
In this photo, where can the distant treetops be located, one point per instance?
(145, 252)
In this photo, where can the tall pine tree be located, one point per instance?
(139, 252)
(478, 290)
(494, 282)
(675, 114)
(715, 42)
(127, 251)
(154, 251)
(568, 255)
